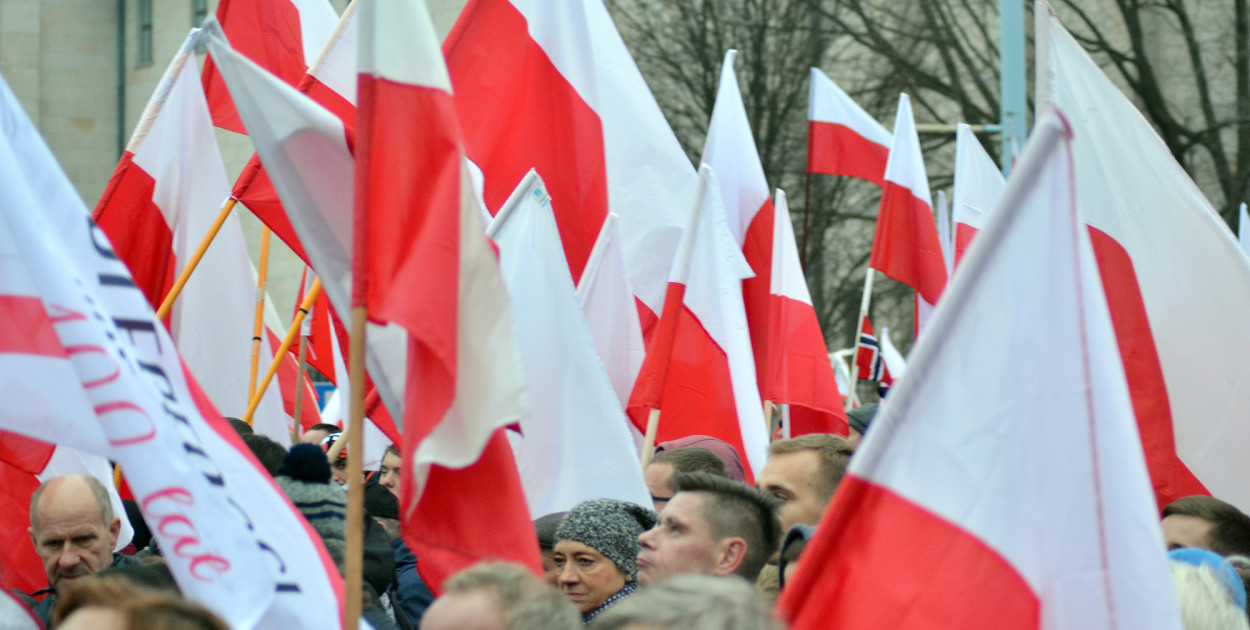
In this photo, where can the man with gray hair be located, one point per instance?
(73, 530)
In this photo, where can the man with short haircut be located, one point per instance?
(1207, 523)
(73, 530)
(803, 472)
(686, 459)
(711, 526)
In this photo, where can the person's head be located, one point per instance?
(338, 465)
(803, 472)
(858, 420)
(318, 432)
(545, 527)
(683, 459)
(722, 449)
(484, 597)
(305, 478)
(1209, 590)
(107, 603)
(712, 526)
(268, 452)
(72, 528)
(390, 470)
(1208, 523)
(596, 550)
(691, 602)
(239, 426)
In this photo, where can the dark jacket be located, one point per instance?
(409, 593)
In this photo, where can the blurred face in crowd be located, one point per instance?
(69, 532)
(656, 477)
(681, 542)
(388, 473)
(338, 471)
(791, 477)
(551, 572)
(586, 576)
(314, 436)
(1183, 530)
(469, 610)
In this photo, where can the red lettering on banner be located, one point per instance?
(206, 567)
(59, 314)
(148, 432)
(72, 351)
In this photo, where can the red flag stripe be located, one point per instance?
(757, 248)
(267, 33)
(137, 228)
(905, 246)
(799, 373)
(950, 574)
(548, 127)
(28, 330)
(1172, 479)
(834, 149)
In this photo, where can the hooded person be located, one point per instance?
(596, 549)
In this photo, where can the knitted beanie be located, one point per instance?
(305, 478)
(611, 528)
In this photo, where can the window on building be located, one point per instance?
(145, 32)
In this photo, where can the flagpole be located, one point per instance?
(648, 440)
(299, 381)
(859, 326)
(278, 355)
(768, 418)
(355, 489)
(262, 276)
(194, 261)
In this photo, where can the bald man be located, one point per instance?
(73, 530)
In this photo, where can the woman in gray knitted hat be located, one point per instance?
(595, 552)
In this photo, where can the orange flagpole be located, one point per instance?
(258, 328)
(280, 353)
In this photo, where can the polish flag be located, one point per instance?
(331, 82)
(283, 36)
(978, 185)
(905, 246)
(575, 443)
(416, 226)
(699, 370)
(608, 302)
(159, 204)
(95, 368)
(550, 86)
(798, 372)
(945, 239)
(1022, 502)
(730, 151)
(305, 150)
(1177, 281)
(842, 138)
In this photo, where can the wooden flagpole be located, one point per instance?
(258, 328)
(768, 419)
(354, 569)
(648, 440)
(859, 326)
(278, 355)
(299, 382)
(194, 261)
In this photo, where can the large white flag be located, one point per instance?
(87, 343)
(1020, 500)
(575, 444)
(1177, 282)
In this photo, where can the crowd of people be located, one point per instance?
(711, 551)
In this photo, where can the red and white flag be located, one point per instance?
(1021, 501)
(306, 153)
(905, 246)
(331, 82)
(699, 370)
(978, 185)
(575, 444)
(895, 364)
(283, 36)
(162, 199)
(550, 86)
(1176, 280)
(842, 138)
(416, 226)
(730, 151)
(798, 371)
(611, 311)
(89, 363)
